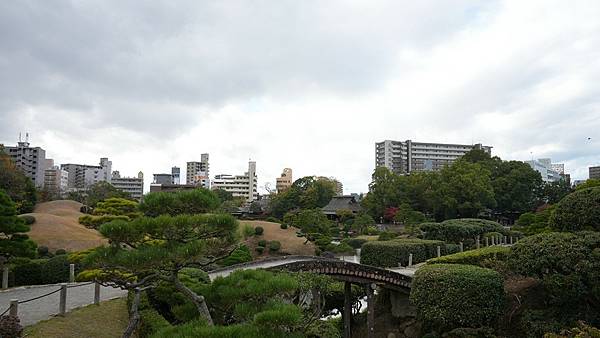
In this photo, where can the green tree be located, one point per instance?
(384, 192)
(101, 191)
(553, 192)
(223, 195)
(195, 201)
(14, 243)
(463, 190)
(309, 221)
(407, 216)
(516, 187)
(362, 222)
(305, 193)
(19, 187)
(149, 251)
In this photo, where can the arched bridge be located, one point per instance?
(350, 273)
(341, 270)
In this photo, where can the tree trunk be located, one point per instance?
(134, 318)
(198, 300)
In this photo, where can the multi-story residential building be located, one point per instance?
(244, 186)
(544, 167)
(134, 186)
(56, 181)
(31, 160)
(594, 172)
(175, 172)
(558, 167)
(197, 173)
(408, 156)
(284, 182)
(165, 179)
(82, 176)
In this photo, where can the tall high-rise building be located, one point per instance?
(197, 173)
(56, 181)
(408, 156)
(284, 182)
(594, 172)
(82, 176)
(134, 186)
(545, 168)
(31, 160)
(244, 186)
(175, 172)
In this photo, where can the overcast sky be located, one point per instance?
(310, 85)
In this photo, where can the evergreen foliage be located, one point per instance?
(578, 211)
(14, 243)
(394, 252)
(195, 201)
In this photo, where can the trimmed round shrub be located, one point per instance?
(258, 231)
(283, 226)
(43, 251)
(450, 296)
(479, 257)
(28, 219)
(387, 235)
(355, 243)
(60, 252)
(462, 229)
(452, 249)
(262, 243)
(577, 211)
(239, 255)
(272, 219)
(274, 246)
(390, 253)
(260, 249)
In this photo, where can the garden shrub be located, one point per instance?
(247, 230)
(459, 230)
(272, 219)
(480, 257)
(96, 221)
(323, 241)
(371, 230)
(259, 231)
(283, 226)
(60, 252)
(262, 242)
(577, 211)
(355, 243)
(150, 320)
(274, 246)
(42, 271)
(450, 296)
(260, 249)
(452, 248)
(239, 255)
(10, 327)
(43, 251)
(390, 253)
(28, 219)
(387, 235)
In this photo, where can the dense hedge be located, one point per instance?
(28, 219)
(239, 255)
(477, 257)
(578, 211)
(41, 271)
(460, 230)
(355, 243)
(450, 296)
(96, 221)
(390, 253)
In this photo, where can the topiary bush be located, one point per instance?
(60, 252)
(274, 246)
(272, 219)
(28, 219)
(355, 243)
(450, 296)
(460, 230)
(239, 255)
(43, 251)
(390, 253)
(260, 249)
(387, 235)
(578, 211)
(96, 221)
(283, 226)
(480, 257)
(258, 231)
(262, 242)
(42, 271)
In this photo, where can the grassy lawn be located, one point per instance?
(109, 319)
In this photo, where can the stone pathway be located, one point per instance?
(44, 308)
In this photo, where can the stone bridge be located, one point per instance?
(398, 280)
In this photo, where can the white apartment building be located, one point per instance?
(82, 176)
(56, 181)
(239, 185)
(31, 160)
(545, 167)
(197, 173)
(134, 186)
(408, 156)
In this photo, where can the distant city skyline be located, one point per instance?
(154, 85)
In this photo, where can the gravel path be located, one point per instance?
(43, 308)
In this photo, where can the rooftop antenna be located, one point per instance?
(27, 137)
(19, 137)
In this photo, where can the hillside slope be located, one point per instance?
(290, 243)
(57, 227)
